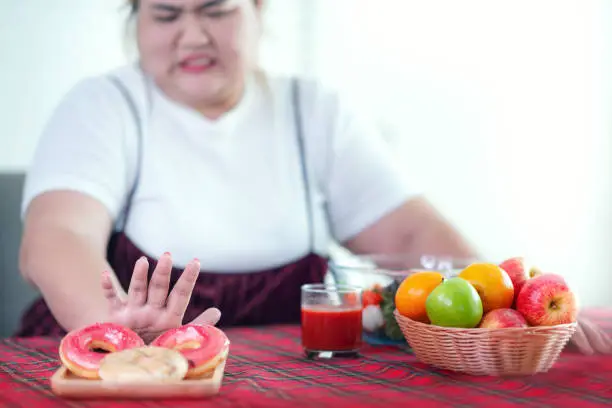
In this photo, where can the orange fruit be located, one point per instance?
(492, 283)
(412, 293)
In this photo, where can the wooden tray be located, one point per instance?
(65, 384)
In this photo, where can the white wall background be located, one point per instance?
(500, 109)
(45, 48)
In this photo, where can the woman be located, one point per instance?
(194, 152)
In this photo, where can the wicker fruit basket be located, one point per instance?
(496, 352)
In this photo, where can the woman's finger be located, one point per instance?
(181, 293)
(598, 340)
(209, 316)
(160, 282)
(580, 341)
(137, 292)
(110, 293)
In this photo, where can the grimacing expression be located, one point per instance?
(198, 51)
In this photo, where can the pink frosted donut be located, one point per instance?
(77, 349)
(204, 346)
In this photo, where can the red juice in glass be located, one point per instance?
(331, 319)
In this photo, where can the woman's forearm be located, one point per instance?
(434, 235)
(66, 267)
(415, 228)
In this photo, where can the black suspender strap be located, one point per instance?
(138, 121)
(303, 160)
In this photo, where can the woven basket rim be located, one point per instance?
(486, 330)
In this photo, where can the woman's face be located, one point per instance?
(198, 51)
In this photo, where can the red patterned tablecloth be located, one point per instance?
(267, 369)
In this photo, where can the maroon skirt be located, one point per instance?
(245, 299)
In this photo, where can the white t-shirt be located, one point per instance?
(229, 192)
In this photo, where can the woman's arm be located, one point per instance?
(373, 206)
(63, 253)
(415, 228)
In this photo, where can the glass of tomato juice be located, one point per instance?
(331, 320)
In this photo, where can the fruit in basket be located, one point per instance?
(492, 284)
(519, 271)
(454, 303)
(412, 294)
(502, 318)
(547, 300)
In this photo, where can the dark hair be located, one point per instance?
(134, 4)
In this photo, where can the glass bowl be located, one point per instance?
(379, 275)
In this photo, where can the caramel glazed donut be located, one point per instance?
(186, 352)
(144, 364)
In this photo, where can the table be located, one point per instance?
(267, 369)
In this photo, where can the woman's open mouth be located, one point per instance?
(197, 64)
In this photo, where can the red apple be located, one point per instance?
(519, 272)
(501, 318)
(547, 300)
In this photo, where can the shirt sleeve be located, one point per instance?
(83, 147)
(364, 180)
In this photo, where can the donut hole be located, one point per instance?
(189, 345)
(101, 347)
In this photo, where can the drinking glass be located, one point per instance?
(331, 320)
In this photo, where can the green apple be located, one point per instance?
(454, 303)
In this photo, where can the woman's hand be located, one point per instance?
(148, 309)
(591, 339)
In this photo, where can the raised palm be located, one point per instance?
(148, 308)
